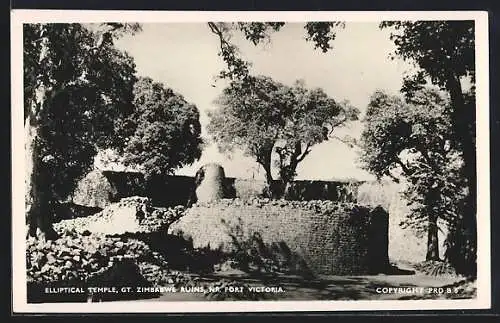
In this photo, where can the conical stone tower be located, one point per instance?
(210, 182)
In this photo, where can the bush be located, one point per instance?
(77, 260)
(436, 268)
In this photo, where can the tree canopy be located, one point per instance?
(86, 88)
(444, 53)
(320, 33)
(163, 131)
(413, 138)
(76, 85)
(441, 49)
(270, 117)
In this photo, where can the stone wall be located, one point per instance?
(178, 190)
(405, 243)
(330, 238)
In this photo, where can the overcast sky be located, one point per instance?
(184, 58)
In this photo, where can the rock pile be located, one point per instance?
(132, 214)
(80, 257)
(159, 276)
(90, 246)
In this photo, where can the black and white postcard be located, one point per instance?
(249, 161)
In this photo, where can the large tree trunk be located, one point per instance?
(37, 193)
(288, 172)
(463, 117)
(288, 177)
(265, 161)
(432, 239)
(38, 199)
(462, 123)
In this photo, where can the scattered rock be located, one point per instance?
(131, 214)
(50, 258)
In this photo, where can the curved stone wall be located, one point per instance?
(331, 238)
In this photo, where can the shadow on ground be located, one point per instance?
(374, 287)
(325, 288)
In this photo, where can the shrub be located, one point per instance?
(436, 268)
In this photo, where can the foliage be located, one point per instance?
(319, 32)
(269, 117)
(444, 52)
(162, 132)
(413, 136)
(87, 87)
(438, 47)
(436, 268)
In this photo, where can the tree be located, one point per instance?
(321, 33)
(163, 131)
(414, 137)
(269, 117)
(65, 66)
(76, 84)
(444, 52)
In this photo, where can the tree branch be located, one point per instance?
(304, 154)
(336, 124)
(394, 178)
(420, 148)
(405, 168)
(222, 41)
(237, 68)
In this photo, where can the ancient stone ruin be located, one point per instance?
(130, 215)
(209, 181)
(323, 237)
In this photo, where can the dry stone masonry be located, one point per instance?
(101, 189)
(210, 182)
(331, 238)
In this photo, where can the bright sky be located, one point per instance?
(184, 58)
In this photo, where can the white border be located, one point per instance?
(20, 305)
